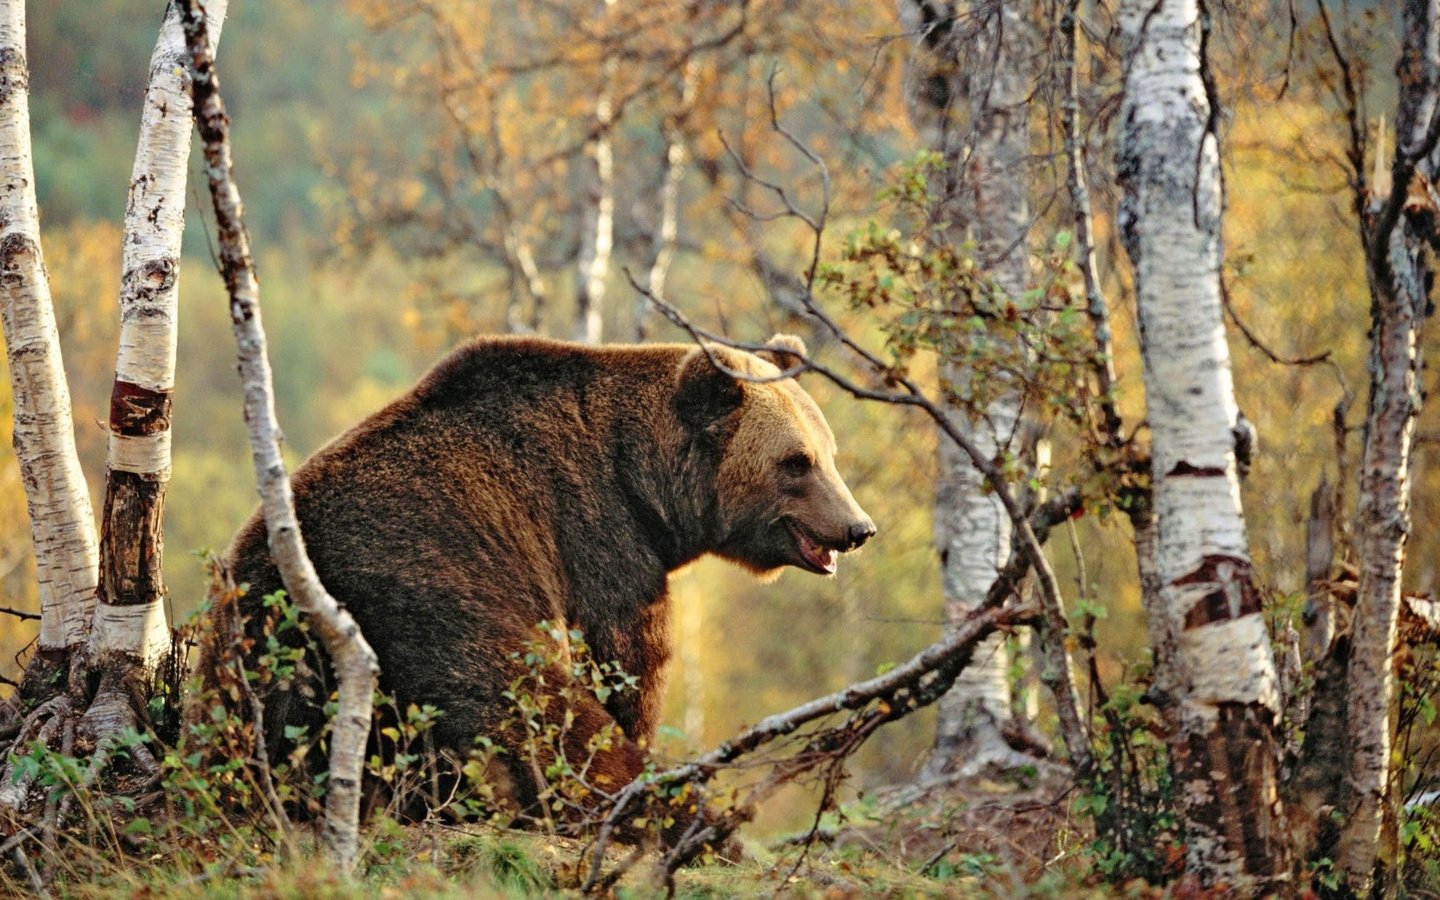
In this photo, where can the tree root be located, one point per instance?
(110, 719)
(29, 869)
(106, 728)
(40, 725)
(12, 716)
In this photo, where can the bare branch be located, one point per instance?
(1097, 307)
(1254, 339)
(1350, 98)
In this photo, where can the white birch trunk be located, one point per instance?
(1225, 753)
(1399, 273)
(667, 229)
(972, 529)
(356, 668)
(130, 617)
(62, 521)
(597, 225)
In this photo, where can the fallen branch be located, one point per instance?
(911, 686)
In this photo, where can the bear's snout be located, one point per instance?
(860, 532)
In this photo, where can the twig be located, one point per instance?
(1254, 340)
(16, 840)
(1355, 152)
(937, 856)
(228, 620)
(19, 614)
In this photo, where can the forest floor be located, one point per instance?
(1007, 836)
(975, 837)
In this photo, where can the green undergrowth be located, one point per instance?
(217, 823)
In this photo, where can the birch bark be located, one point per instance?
(130, 617)
(62, 520)
(356, 668)
(1225, 752)
(1395, 231)
(597, 225)
(986, 193)
(667, 229)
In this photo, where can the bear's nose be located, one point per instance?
(860, 532)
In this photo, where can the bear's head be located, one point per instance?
(779, 499)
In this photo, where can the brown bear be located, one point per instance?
(525, 479)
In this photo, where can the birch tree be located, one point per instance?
(1225, 750)
(356, 669)
(130, 631)
(1121, 453)
(979, 122)
(597, 217)
(1397, 230)
(62, 521)
(126, 632)
(666, 233)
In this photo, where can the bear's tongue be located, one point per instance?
(820, 557)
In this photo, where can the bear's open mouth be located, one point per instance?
(816, 557)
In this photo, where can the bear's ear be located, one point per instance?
(704, 395)
(784, 351)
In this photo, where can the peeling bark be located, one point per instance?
(130, 627)
(1226, 749)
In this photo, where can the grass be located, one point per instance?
(483, 861)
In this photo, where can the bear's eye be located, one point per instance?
(795, 465)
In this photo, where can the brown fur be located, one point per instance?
(524, 480)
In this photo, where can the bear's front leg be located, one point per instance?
(569, 758)
(641, 649)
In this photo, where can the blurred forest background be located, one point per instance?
(375, 226)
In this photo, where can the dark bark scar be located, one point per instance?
(1232, 593)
